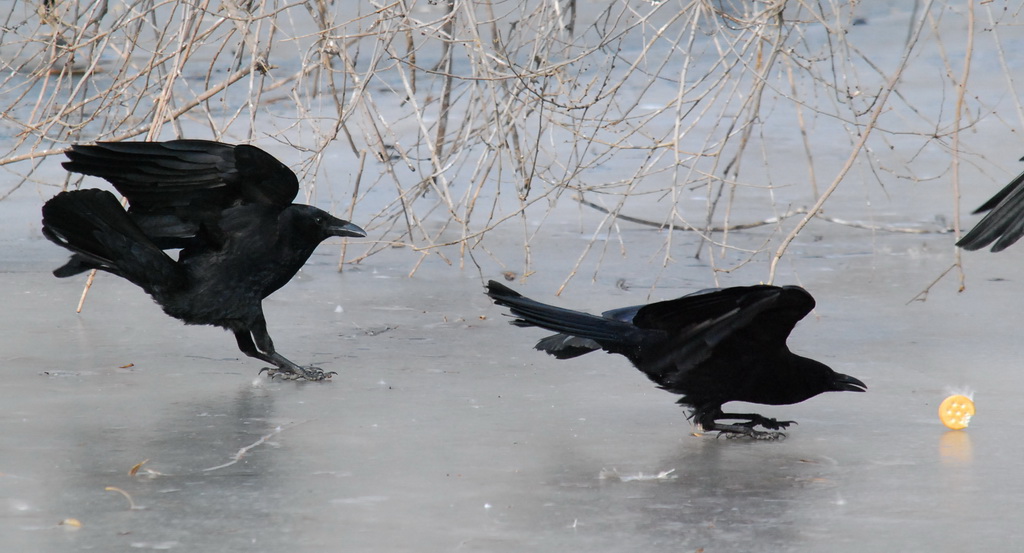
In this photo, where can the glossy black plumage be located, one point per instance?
(227, 208)
(1004, 223)
(710, 347)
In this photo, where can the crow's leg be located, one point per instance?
(708, 420)
(263, 349)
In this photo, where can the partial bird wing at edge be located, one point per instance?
(1004, 224)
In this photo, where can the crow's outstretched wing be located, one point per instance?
(176, 188)
(754, 319)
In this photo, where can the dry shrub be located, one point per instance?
(449, 119)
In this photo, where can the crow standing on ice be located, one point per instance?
(227, 208)
(710, 347)
(1004, 224)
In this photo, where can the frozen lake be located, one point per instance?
(445, 431)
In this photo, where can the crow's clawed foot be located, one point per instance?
(767, 423)
(312, 374)
(745, 429)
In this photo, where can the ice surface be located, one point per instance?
(445, 431)
(448, 432)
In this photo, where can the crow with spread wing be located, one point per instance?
(227, 208)
(710, 347)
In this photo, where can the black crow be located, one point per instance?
(710, 347)
(1004, 223)
(229, 211)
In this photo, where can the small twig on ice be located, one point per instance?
(923, 294)
(241, 452)
(769, 221)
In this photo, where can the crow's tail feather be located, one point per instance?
(579, 332)
(92, 224)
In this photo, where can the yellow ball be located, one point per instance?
(956, 411)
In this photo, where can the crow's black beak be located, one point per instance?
(847, 383)
(345, 228)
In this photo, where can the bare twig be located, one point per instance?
(458, 118)
(764, 222)
(241, 453)
(864, 134)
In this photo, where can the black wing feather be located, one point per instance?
(755, 318)
(176, 188)
(1004, 224)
